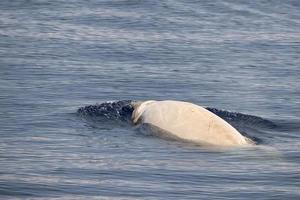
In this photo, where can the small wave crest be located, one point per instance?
(239, 119)
(111, 110)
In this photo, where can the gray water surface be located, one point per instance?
(239, 57)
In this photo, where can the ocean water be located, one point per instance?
(239, 58)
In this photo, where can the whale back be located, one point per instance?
(187, 121)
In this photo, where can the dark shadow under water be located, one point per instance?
(112, 114)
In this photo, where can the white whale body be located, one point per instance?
(186, 121)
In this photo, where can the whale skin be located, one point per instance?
(186, 121)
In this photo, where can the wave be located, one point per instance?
(111, 110)
(236, 118)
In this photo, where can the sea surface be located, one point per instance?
(67, 68)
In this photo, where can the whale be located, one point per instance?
(186, 121)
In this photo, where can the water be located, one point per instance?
(241, 59)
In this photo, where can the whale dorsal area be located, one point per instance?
(187, 121)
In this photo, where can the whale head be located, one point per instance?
(139, 107)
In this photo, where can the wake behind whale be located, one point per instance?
(121, 111)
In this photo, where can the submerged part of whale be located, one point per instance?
(186, 121)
